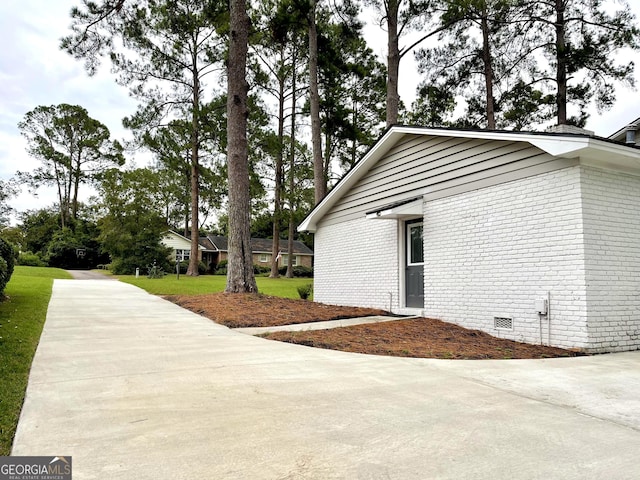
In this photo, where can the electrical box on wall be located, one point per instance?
(541, 306)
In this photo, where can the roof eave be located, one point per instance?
(559, 145)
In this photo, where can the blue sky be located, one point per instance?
(33, 72)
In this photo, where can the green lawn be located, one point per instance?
(22, 316)
(170, 285)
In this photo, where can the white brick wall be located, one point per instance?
(356, 263)
(493, 252)
(611, 203)
(574, 233)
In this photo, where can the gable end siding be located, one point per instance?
(436, 167)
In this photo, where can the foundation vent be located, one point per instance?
(503, 323)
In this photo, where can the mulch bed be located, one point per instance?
(421, 337)
(237, 310)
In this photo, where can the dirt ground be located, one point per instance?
(421, 337)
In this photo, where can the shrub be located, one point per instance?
(30, 259)
(305, 291)
(222, 264)
(303, 272)
(7, 262)
(202, 268)
(184, 266)
(299, 271)
(258, 269)
(220, 268)
(155, 271)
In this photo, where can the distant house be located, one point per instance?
(629, 134)
(213, 249)
(533, 237)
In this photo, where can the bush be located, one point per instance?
(223, 264)
(7, 262)
(30, 259)
(184, 266)
(305, 291)
(299, 271)
(258, 269)
(221, 268)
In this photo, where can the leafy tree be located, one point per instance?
(8, 189)
(132, 227)
(13, 235)
(73, 149)
(75, 249)
(38, 227)
(240, 276)
(163, 50)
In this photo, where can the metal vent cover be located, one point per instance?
(503, 323)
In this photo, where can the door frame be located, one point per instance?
(404, 250)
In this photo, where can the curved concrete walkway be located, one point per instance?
(134, 387)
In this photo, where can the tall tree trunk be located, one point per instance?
(561, 58)
(393, 61)
(292, 169)
(277, 208)
(488, 70)
(240, 277)
(58, 175)
(187, 207)
(192, 270)
(319, 179)
(76, 187)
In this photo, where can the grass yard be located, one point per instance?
(22, 317)
(170, 285)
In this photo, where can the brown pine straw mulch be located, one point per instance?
(420, 337)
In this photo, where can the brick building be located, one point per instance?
(533, 237)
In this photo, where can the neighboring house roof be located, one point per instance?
(258, 245)
(265, 245)
(621, 135)
(178, 241)
(218, 242)
(588, 149)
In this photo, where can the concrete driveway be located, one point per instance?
(134, 387)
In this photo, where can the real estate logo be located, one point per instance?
(35, 468)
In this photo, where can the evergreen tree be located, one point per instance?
(163, 51)
(580, 39)
(240, 276)
(73, 150)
